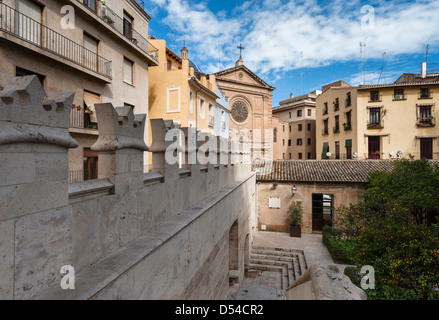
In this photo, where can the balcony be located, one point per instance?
(336, 129)
(427, 122)
(347, 126)
(375, 124)
(375, 98)
(325, 132)
(399, 96)
(22, 27)
(336, 105)
(82, 119)
(124, 29)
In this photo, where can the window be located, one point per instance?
(90, 4)
(274, 134)
(309, 141)
(348, 99)
(211, 115)
(348, 125)
(399, 94)
(425, 117)
(202, 108)
(299, 113)
(90, 118)
(191, 102)
(337, 124)
(337, 104)
(290, 128)
(90, 52)
(325, 108)
(348, 146)
(309, 112)
(127, 25)
(19, 72)
(90, 164)
(283, 128)
(283, 156)
(289, 143)
(128, 68)
(325, 150)
(28, 23)
(337, 150)
(325, 126)
(424, 93)
(309, 127)
(375, 116)
(300, 156)
(290, 115)
(300, 127)
(283, 142)
(309, 156)
(299, 142)
(223, 124)
(374, 96)
(291, 156)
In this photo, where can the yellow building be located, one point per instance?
(179, 91)
(386, 121)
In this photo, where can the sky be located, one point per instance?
(299, 46)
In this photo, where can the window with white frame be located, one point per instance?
(202, 108)
(191, 102)
(128, 71)
(173, 100)
(211, 115)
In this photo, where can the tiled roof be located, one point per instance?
(354, 171)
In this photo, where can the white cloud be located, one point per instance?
(275, 32)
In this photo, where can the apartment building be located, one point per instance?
(387, 121)
(98, 49)
(294, 122)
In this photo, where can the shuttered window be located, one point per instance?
(128, 71)
(90, 52)
(28, 21)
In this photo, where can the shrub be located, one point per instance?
(341, 249)
(295, 214)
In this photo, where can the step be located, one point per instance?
(277, 249)
(282, 269)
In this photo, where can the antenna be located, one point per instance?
(383, 68)
(173, 37)
(363, 59)
(426, 55)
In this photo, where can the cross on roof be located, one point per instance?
(240, 50)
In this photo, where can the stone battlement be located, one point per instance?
(166, 234)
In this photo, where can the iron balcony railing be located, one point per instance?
(80, 119)
(120, 25)
(32, 31)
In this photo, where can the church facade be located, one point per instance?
(251, 104)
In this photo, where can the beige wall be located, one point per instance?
(276, 219)
(329, 97)
(399, 118)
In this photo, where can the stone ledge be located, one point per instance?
(89, 190)
(102, 274)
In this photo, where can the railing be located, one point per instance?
(425, 95)
(25, 28)
(336, 129)
(325, 132)
(80, 119)
(426, 122)
(76, 176)
(123, 28)
(399, 96)
(375, 98)
(375, 124)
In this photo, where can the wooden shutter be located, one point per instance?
(128, 71)
(28, 21)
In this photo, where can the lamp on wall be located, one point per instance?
(294, 190)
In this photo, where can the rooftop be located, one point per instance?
(352, 171)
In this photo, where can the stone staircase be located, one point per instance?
(290, 263)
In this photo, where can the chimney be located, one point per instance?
(424, 70)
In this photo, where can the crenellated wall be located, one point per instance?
(162, 235)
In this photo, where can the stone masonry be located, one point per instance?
(166, 234)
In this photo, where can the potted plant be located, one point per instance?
(295, 219)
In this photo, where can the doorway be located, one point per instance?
(427, 148)
(374, 148)
(322, 211)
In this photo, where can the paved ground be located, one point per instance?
(264, 285)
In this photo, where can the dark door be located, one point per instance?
(374, 148)
(427, 149)
(322, 211)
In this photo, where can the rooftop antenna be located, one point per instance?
(383, 68)
(363, 60)
(173, 37)
(426, 55)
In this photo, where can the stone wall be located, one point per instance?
(128, 235)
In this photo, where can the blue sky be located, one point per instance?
(298, 46)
